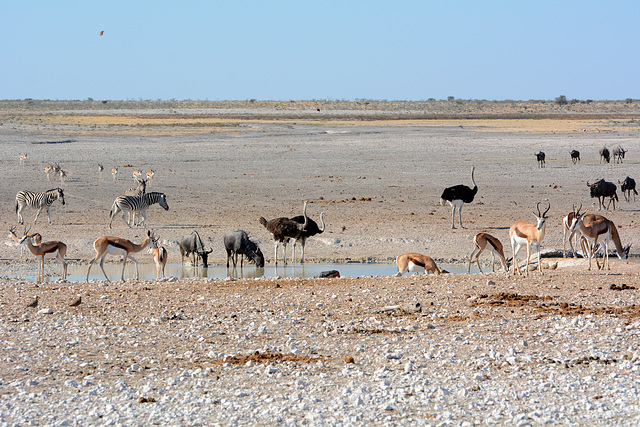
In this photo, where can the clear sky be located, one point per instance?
(322, 49)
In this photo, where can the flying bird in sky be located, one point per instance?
(101, 33)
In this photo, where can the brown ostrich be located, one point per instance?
(284, 229)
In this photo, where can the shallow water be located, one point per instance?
(78, 272)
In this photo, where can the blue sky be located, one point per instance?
(293, 50)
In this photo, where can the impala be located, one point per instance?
(118, 246)
(596, 228)
(522, 233)
(55, 248)
(482, 241)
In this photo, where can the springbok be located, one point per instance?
(150, 175)
(37, 238)
(567, 221)
(114, 172)
(48, 170)
(100, 170)
(482, 241)
(522, 233)
(596, 228)
(55, 248)
(118, 246)
(23, 159)
(159, 256)
(416, 263)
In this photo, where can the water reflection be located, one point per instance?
(78, 272)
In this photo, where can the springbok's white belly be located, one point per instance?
(112, 250)
(415, 268)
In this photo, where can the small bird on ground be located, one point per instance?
(76, 302)
(34, 303)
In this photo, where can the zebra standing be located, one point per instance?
(37, 201)
(137, 204)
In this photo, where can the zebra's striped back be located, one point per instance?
(139, 203)
(35, 200)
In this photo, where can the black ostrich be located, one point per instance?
(310, 230)
(457, 196)
(284, 229)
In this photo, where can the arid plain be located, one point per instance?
(376, 170)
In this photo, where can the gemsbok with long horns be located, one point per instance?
(598, 229)
(43, 249)
(522, 233)
(118, 246)
(485, 241)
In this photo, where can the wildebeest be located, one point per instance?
(604, 154)
(541, 156)
(192, 244)
(627, 186)
(238, 242)
(575, 156)
(618, 154)
(602, 189)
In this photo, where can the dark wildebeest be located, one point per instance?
(618, 154)
(192, 244)
(602, 189)
(540, 156)
(575, 156)
(627, 186)
(605, 155)
(238, 242)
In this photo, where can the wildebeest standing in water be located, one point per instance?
(238, 243)
(192, 244)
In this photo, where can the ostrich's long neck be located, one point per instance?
(322, 222)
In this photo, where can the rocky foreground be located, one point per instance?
(562, 348)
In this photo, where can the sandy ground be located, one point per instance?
(379, 185)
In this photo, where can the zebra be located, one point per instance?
(137, 204)
(37, 201)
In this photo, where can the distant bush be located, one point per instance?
(561, 100)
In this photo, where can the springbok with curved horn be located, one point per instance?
(37, 238)
(118, 246)
(596, 228)
(55, 248)
(567, 221)
(482, 241)
(522, 233)
(159, 256)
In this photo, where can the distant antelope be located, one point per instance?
(523, 233)
(596, 228)
(100, 170)
(541, 156)
(48, 170)
(56, 248)
(23, 159)
(62, 175)
(37, 201)
(150, 175)
(482, 241)
(114, 172)
(136, 175)
(416, 263)
(118, 246)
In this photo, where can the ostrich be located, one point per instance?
(457, 196)
(310, 230)
(284, 229)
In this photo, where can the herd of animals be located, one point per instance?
(592, 229)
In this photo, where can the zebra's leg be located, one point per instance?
(48, 216)
(37, 213)
(125, 219)
(19, 211)
(114, 211)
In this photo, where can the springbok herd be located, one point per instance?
(591, 230)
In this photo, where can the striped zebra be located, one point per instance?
(137, 204)
(37, 201)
